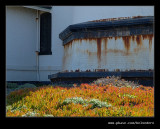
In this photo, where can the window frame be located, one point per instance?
(49, 48)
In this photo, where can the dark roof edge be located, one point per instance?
(104, 24)
(42, 8)
(146, 73)
(46, 7)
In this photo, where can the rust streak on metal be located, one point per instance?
(139, 40)
(88, 52)
(150, 40)
(133, 38)
(149, 37)
(100, 70)
(117, 70)
(99, 51)
(64, 61)
(115, 38)
(137, 17)
(65, 71)
(145, 36)
(71, 44)
(127, 41)
(78, 40)
(105, 45)
(115, 19)
(88, 70)
(66, 52)
(105, 49)
(90, 40)
(115, 51)
(68, 45)
(77, 70)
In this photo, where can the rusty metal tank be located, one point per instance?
(110, 45)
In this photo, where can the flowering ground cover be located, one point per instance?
(86, 100)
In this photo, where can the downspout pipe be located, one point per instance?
(37, 47)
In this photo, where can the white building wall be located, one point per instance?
(62, 17)
(21, 36)
(89, 13)
(20, 44)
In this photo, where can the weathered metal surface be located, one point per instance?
(111, 27)
(124, 53)
(99, 51)
(114, 45)
(109, 32)
(118, 18)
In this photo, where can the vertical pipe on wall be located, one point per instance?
(37, 47)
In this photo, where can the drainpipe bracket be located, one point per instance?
(37, 52)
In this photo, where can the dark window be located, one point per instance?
(45, 34)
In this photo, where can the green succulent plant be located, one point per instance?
(95, 102)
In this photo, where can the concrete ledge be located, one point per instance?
(133, 74)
